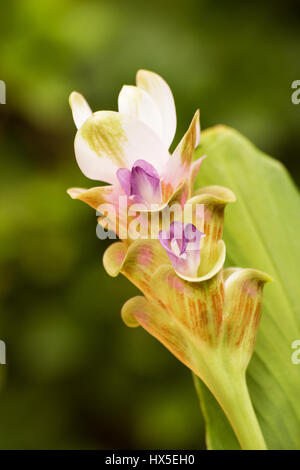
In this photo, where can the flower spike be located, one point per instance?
(207, 316)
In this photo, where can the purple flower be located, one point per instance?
(141, 183)
(182, 244)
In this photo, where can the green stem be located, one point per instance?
(230, 389)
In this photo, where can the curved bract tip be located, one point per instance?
(137, 262)
(233, 275)
(208, 272)
(114, 257)
(218, 195)
(129, 309)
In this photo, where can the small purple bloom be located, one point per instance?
(182, 244)
(142, 183)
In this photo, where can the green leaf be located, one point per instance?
(261, 231)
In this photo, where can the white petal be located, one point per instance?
(109, 140)
(160, 92)
(80, 108)
(138, 103)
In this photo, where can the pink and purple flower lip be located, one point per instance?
(182, 245)
(142, 183)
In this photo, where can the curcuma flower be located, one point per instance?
(129, 149)
(205, 315)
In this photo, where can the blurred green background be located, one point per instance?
(76, 377)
